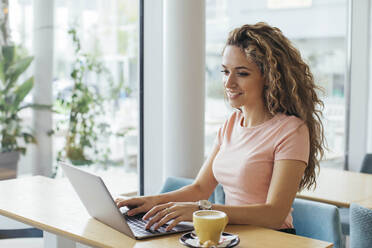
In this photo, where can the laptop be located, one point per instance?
(93, 193)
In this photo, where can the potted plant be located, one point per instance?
(83, 120)
(13, 134)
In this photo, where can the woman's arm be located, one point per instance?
(202, 188)
(284, 185)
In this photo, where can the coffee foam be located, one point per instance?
(210, 215)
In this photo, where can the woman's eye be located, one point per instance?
(243, 74)
(225, 72)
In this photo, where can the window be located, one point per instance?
(109, 32)
(21, 26)
(321, 41)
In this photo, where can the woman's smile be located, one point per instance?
(233, 94)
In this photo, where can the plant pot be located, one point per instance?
(9, 164)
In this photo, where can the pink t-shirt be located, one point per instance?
(245, 161)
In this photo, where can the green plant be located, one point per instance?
(84, 107)
(12, 95)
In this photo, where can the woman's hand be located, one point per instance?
(176, 211)
(137, 205)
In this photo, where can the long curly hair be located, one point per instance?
(289, 88)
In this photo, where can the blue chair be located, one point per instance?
(317, 220)
(345, 212)
(360, 226)
(367, 164)
(174, 183)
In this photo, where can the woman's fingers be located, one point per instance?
(130, 202)
(165, 219)
(174, 223)
(137, 210)
(136, 205)
(121, 198)
(159, 215)
(156, 209)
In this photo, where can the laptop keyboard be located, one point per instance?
(137, 224)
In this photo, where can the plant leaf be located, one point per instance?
(2, 74)
(8, 55)
(29, 138)
(15, 70)
(21, 92)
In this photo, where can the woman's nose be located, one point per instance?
(229, 81)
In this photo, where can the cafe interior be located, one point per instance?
(131, 91)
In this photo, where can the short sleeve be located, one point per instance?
(219, 137)
(225, 129)
(293, 144)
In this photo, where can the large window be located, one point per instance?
(108, 31)
(321, 41)
(21, 27)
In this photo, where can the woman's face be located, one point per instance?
(242, 79)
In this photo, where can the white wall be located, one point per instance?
(184, 86)
(359, 81)
(153, 96)
(174, 90)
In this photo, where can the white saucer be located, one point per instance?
(227, 240)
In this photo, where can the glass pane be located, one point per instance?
(108, 34)
(108, 59)
(321, 41)
(20, 16)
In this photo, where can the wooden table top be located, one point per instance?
(340, 188)
(53, 205)
(367, 203)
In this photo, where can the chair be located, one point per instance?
(345, 212)
(367, 164)
(317, 220)
(174, 183)
(360, 226)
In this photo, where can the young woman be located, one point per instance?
(267, 150)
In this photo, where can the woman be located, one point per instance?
(269, 147)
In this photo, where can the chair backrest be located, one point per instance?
(174, 183)
(360, 226)
(219, 195)
(367, 164)
(317, 220)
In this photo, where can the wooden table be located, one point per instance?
(340, 188)
(52, 205)
(367, 203)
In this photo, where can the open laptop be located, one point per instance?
(101, 206)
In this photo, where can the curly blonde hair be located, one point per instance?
(289, 88)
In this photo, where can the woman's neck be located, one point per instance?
(255, 116)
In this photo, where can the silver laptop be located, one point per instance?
(101, 206)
